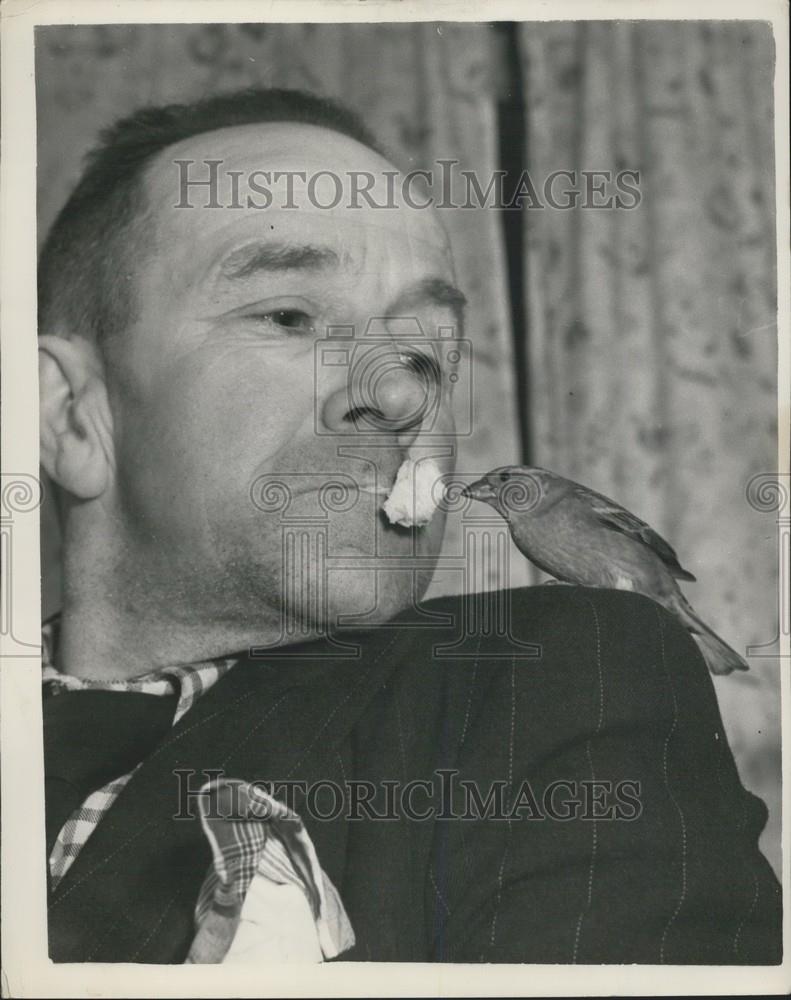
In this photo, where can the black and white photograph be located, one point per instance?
(397, 570)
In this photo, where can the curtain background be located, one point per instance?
(638, 352)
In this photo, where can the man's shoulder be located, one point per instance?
(564, 663)
(560, 643)
(567, 618)
(554, 601)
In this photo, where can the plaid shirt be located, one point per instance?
(265, 897)
(188, 682)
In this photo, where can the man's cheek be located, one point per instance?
(206, 419)
(171, 463)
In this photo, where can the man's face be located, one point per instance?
(232, 397)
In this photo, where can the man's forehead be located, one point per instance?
(280, 145)
(283, 176)
(217, 181)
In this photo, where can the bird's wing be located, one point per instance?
(612, 515)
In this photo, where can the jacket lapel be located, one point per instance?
(130, 893)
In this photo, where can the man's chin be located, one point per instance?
(361, 575)
(369, 597)
(317, 579)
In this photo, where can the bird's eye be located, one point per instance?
(503, 477)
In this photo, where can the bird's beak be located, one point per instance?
(481, 490)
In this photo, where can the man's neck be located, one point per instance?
(118, 627)
(99, 643)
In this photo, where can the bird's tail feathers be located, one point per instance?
(719, 656)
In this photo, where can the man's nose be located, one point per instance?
(392, 395)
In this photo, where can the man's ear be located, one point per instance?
(75, 418)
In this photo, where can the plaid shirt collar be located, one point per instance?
(264, 852)
(188, 681)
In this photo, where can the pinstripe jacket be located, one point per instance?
(540, 775)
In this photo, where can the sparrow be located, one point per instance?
(581, 537)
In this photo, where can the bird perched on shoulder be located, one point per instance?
(581, 537)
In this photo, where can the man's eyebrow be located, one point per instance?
(435, 290)
(256, 257)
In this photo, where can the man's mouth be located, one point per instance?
(407, 495)
(377, 489)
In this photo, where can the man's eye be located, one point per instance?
(289, 319)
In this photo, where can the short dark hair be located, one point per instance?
(86, 266)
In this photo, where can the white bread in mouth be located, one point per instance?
(411, 502)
